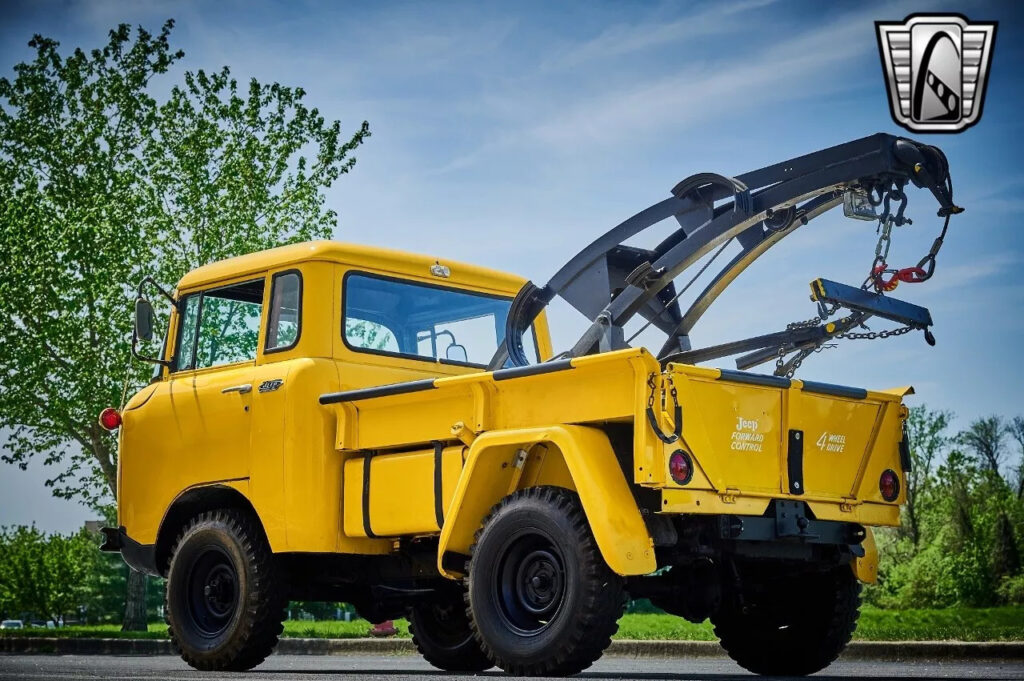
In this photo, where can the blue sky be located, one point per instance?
(510, 134)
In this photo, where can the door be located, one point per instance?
(212, 386)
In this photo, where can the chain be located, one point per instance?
(806, 324)
(878, 195)
(780, 363)
(886, 221)
(872, 335)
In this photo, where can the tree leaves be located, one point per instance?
(960, 543)
(102, 183)
(51, 576)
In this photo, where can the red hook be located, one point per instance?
(910, 275)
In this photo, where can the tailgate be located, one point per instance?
(771, 436)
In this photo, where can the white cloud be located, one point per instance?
(797, 67)
(622, 39)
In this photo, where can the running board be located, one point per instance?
(825, 291)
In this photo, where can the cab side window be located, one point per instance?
(285, 319)
(220, 326)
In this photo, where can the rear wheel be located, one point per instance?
(225, 599)
(785, 624)
(542, 601)
(440, 631)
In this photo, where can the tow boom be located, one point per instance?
(610, 282)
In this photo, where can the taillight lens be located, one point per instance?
(680, 467)
(110, 419)
(889, 485)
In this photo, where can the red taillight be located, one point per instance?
(889, 485)
(110, 418)
(680, 467)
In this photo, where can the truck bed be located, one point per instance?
(752, 438)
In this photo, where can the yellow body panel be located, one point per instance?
(582, 427)
(182, 432)
(401, 493)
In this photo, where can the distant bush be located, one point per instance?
(1011, 590)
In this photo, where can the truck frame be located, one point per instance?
(316, 431)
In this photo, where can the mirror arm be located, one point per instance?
(150, 280)
(144, 358)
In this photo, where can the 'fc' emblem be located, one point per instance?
(936, 67)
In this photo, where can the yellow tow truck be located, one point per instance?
(342, 423)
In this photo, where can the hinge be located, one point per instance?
(729, 495)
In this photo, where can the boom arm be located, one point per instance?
(611, 283)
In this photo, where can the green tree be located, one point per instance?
(926, 430)
(101, 183)
(21, 576)
(984, 438)
(49, 576)
(1016, 431)
(960, 542)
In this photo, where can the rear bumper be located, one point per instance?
(788, 522)
(141, 557)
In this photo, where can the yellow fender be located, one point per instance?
(866, 569)
(494, 469)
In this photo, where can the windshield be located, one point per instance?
(424, 321)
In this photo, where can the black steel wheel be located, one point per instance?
(541, 600)
(786, 623)
(440, 631)
(225, 596)
(212, 586)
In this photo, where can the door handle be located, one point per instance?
(240, 389)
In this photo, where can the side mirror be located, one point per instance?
(456, 353)
(145, 319)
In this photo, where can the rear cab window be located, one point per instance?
(284, 323)
(389, 316)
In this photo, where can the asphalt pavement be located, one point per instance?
(409, 667)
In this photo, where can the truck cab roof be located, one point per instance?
(399, 262)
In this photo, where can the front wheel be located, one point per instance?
(783, 623)
(225, 599)
(542, 601)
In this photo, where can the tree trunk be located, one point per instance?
(135, 602)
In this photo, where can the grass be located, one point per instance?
(957, 624)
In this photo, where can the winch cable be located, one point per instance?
(531, 298)
(677, 411)
(683, 290)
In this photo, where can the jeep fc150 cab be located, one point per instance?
(324, 425)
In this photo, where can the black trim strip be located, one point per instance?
(754, 379)
(795, 461)
(366, 495)
(439, 484)
(904, 447)
(532, 369)
(378, 391)
(835, 390)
